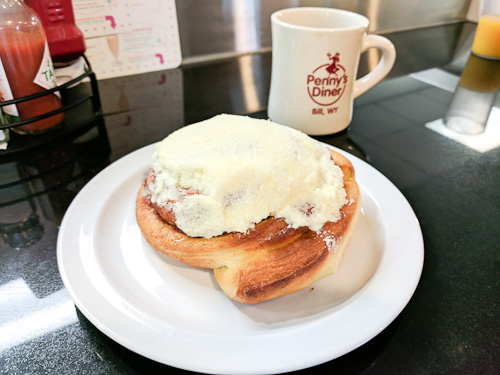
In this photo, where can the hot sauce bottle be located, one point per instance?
(26, 68)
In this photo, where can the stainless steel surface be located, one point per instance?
(212, 29)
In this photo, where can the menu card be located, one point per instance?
(126, 37)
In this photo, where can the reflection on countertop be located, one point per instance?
(143, 109)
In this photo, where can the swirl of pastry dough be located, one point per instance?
(271, 259)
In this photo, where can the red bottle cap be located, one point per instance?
(66, 41)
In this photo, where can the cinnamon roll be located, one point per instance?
(268, 208)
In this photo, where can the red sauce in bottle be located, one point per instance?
(22, 55)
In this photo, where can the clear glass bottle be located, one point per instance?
(26, 67)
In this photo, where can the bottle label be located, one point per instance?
(45, 77)
(8, 113)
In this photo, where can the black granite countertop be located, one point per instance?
(450, 325)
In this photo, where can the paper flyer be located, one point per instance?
(102, 17)
(130, 36)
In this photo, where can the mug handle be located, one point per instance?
(383, 68)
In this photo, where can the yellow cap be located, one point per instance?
(487, 39)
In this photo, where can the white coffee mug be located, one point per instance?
(315, 60)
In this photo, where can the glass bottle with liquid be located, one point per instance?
(479, 84)
(26, 68)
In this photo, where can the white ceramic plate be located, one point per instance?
(177, 315)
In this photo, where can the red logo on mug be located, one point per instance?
(327, 82)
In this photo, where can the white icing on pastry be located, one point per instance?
(245, 170)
